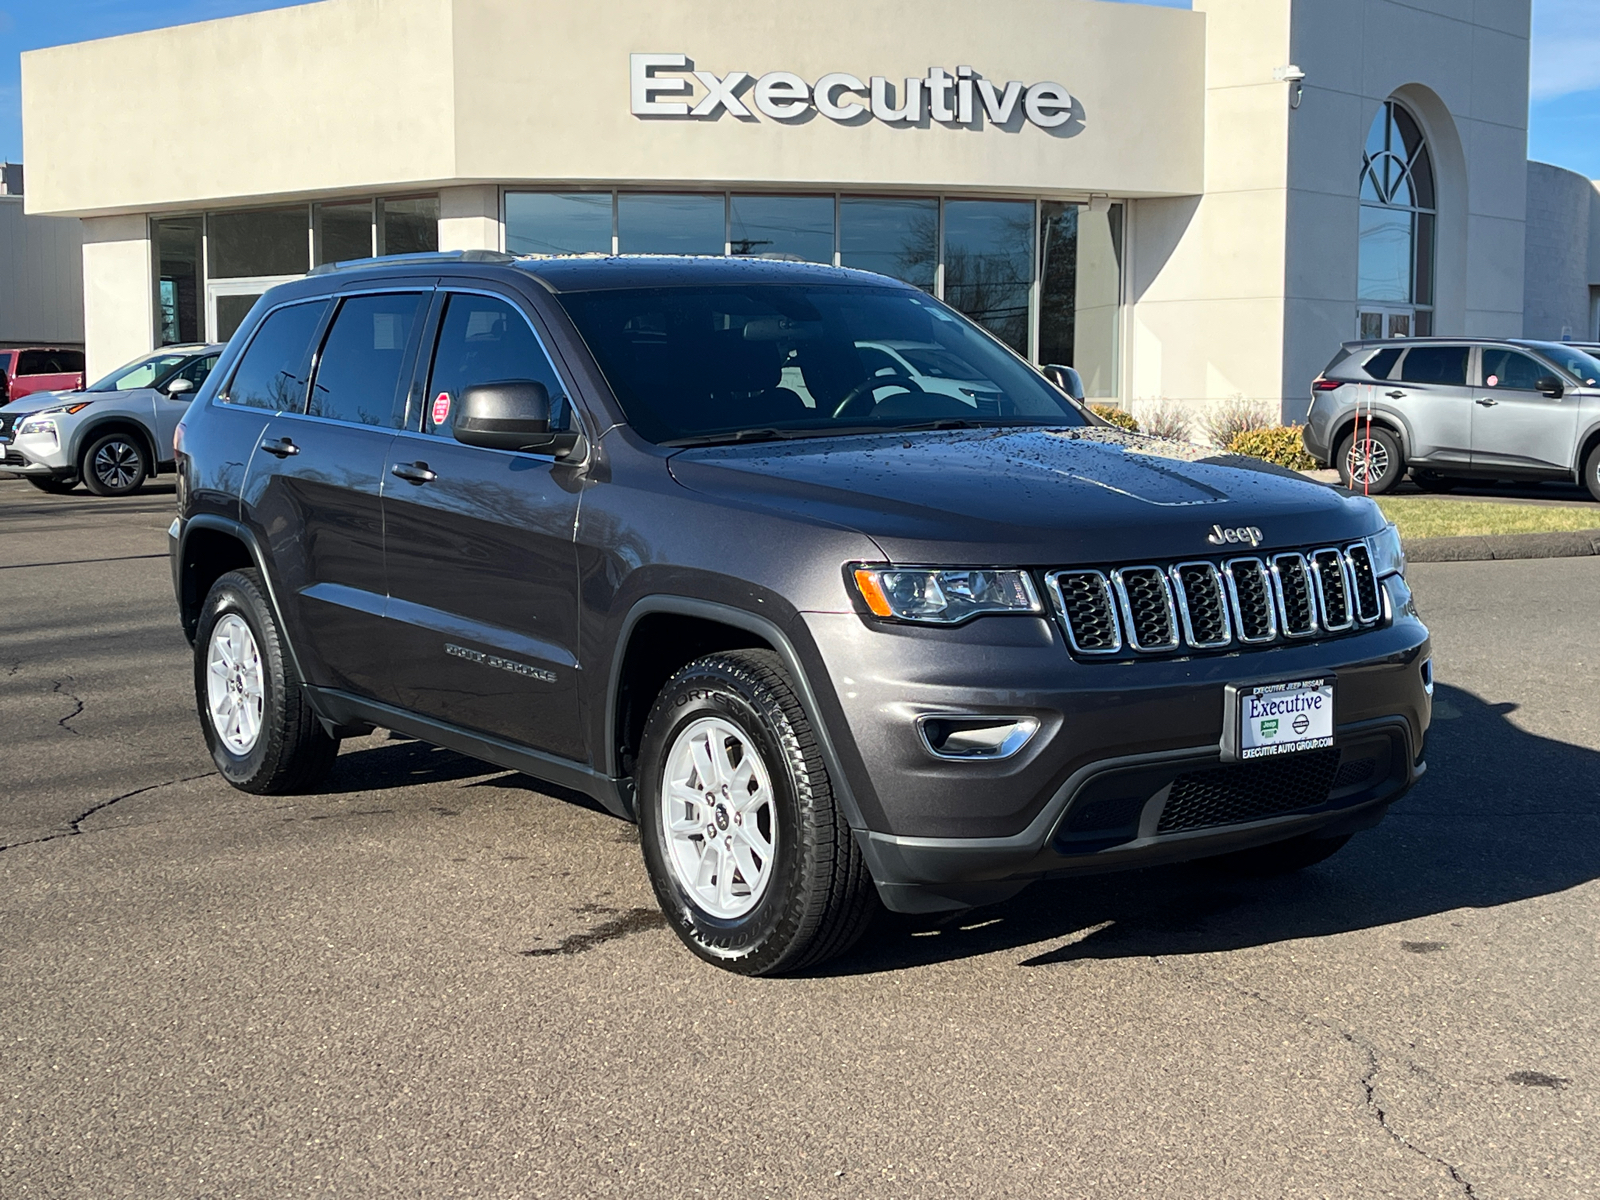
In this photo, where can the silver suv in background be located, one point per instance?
(111, 436)
(1453, 409)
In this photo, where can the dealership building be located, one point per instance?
(1188, 206)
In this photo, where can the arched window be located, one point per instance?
(1397, 215)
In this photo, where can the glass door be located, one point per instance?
(1385, 323)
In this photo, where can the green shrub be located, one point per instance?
(1117, 416)
(1280, 444)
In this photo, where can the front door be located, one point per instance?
(314, 491)
(169, 408)
(482, 563)
(1513, 423)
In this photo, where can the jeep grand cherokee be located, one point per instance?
(669, 532)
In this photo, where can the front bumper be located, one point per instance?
(34, 456)
(1090, 790)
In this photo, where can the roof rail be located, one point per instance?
(422, 259)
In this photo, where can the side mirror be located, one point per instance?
(179, 386)
(513, 415)
(1550, 386)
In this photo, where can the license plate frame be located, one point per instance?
(1248, 734)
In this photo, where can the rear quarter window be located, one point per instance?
(1381, 363)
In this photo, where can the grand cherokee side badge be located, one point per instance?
(1232, 537)
(503, 664)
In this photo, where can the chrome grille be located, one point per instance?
(1297, 607)
(1369, 607)
(1202, 605)
(1147, 610)
(1250, 589)
(1088, 610)
(1333, 590)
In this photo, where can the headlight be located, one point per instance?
(37, 424)
(944, 595)
(1388, 555)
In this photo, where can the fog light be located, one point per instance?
(972, 737)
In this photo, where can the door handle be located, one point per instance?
(1396, 395)
(282, 447)
(1487, 402)
(413, 472)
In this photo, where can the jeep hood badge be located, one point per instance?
(1232, 537)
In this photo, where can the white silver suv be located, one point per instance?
(1452, 409)
(111, 436)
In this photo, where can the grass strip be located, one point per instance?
(1431, 516)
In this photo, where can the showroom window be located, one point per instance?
(1397, 228)
(1043, 277)
(213, 268)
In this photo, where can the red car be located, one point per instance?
(36, 369)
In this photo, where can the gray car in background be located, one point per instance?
(111, 436)
(1453, 409)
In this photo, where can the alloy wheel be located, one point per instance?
(118, 465)
(1367, 461)
(235, 684)
(718, 817)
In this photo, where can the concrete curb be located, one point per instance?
(1579, 543)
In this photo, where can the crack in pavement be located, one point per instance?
(1368, 1079)
(56, 689)
(75, 826)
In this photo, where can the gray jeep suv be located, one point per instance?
(1451, 409)
(672, 533)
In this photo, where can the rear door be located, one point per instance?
(1429, 389)
(482, 562)
(1514, 424)
(313, 490)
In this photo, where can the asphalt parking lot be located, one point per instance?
(442, 980)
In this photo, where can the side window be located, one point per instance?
(37, 362)
(1435, 364)
(271, 374)
(70, 360)
(1381, 363)
(1508, 369)
(358, 373)
(485, 340)
(196, 370)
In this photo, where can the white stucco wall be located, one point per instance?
(41, 277)
(1563, 254)
(118, 300)
(1463, 71)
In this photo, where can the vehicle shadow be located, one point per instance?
(1502, 815)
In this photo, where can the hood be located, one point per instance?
(1031, 497)
(32, 403)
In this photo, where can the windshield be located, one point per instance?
(1575, 362)
(740, 362)
(140, 373)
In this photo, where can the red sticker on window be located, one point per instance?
(441, 408)
(1493, 381)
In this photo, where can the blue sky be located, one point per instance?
(1563, 118)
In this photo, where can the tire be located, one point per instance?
(811, 897)
(262, 733)
(1384, 461)
(1429, 482)
(1279, 858)
(53, 484)
(115, 464)
(1591, 472)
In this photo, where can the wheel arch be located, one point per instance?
(661, 635)
(1586, 446)
(116, 423)
(210, 547)
(1383, 418)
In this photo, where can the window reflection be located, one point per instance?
(798, 228)
(409, 226)
(1080, 292)
(898, 238)
(268, 241)
(669, 224)
(558, 222)
(988, 265)
(342, 231)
